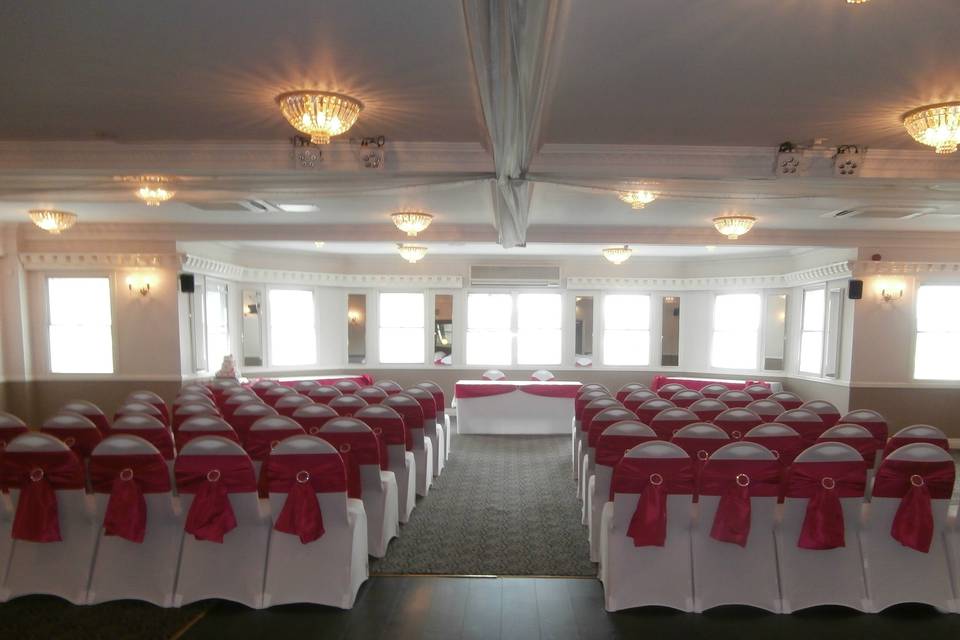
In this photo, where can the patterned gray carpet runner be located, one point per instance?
(505, 505)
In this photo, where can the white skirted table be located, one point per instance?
(515, 408)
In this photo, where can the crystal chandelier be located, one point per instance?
(53, 220)
(857, 1)
(153, 190)
(319, 114)
(412, 252)
(935, 125)
(734, 226)
(411, 222)
(618, 255)
(637, 199)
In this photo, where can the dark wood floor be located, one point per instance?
(528, 608)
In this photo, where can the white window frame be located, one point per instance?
(652, 353)
(269, 329)
(425, 298)
(114, 343)
(946, 382)
(210, 285)
(514, 328)
(822, 331)
(713, 331)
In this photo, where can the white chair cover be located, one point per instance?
(410, 409)
(493, 374)
(811, 577)
(442, 416)
(609, 417)
(128, 570)
(234, 569)
(329, 570)
(401, 462)
(542, 375)
(433, 426)
(54, 568)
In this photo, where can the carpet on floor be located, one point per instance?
(504, 505)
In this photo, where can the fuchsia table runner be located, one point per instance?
(364, 379)
(484, 388)
(699, 383)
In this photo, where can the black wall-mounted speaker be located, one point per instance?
(186, 282)
(855, 292)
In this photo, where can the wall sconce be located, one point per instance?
(353, 316)
(890, 290)
(139, 284)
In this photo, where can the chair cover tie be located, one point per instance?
(38, 476)
(916, 484)
(259, 444)
(127, 479)
(824, 483)
(212, 479)
(81, 441)
(736, 481)
(301, 477)
(654, 479)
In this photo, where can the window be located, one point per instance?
(401, 328)
(489, 338)
(538, 328)
(938, 333)
(811, 337)
(218, 329)
(736, 328)
(626, 330)
(81, 332)
(293, 333)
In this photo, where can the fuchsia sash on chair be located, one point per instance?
(9, 433)
(126, 479)
(895, 443)
(211, 480)
(699, 450)
(823, 484)
(301, 477)
(736, 482)
(916, 484)
(39, 475)
(867, 447)
(784, 448)
(611, 449)
(654, 479)
(260, 442)
(162, 439)
(181, 437)
(356, 448)
(81, 441)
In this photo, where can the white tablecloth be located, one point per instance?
(515, 413)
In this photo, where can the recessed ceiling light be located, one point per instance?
(297, 208)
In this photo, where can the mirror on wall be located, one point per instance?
(357, 328)
(583, 340)
(775, 331)
(831, 361)
(252, 330)
(670, 332)
(443, 329)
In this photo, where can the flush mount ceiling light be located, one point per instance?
(319, 114)
(411, 222)
(153, 190)
(318, 244)
(857, 1)
(52, 220)
(412, 252)
(734, 226)
(637, 199)
(618, 255)
(935, 125)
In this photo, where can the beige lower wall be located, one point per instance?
(903, 406)
(35, 401)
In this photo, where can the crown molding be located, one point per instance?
(97, 261)
(880, 267)
(226, 270)
(835, 271)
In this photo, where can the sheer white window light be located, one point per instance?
(811, 337)
(626, 330)
(736, 328)
(81, 334)
(938, 333)
(538, 328)
(218, 326)
(293, 332)
(489, 338)
(401, 328)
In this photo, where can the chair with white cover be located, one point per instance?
(151, 430)
(347, 405)
(542, 375)
(637, 398)
(873, 422)
(584, 397)
(783, 442)
(11, 426)
(622, 392)
(734, 556)
(768, 410)
(827, 411)
(138, 550)
(237, 400)
(647, 411)
(48, 551)
(599, 423)
(247, 414)
(318, 548)
(714, 390)
(818, 536)
(186, 411)
(805, 422)
(432, 427)
(271, 395)
(669, 421)
(90, 411)
(645, 530)
(260, 387)
(373, 395)
(304, 387)
(392, 387)
(324, 394)
(494, 374)
(188, 397)
(199, 426)
(347, 387)
(138, 408)
(421, 445)
(265, 434)
(786, 399)
(76, 431)
(388, 425)
(855, 436)
(708, 408)
(225, 530)
(736, 421)
(586, 417)
(196, 387)
(368, 479)
(312, 417)
(150, 398)
(917, 433)
(220, 387)
(700, 440)
(904, 526)
(613, 443)
(442, 418)
(735, 399)
(286, 405)
(666, 391)
(686, 397)
(758, 391)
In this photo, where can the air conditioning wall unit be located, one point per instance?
(515, 276)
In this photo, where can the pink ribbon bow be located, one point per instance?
(127, 479)
(211, 480)
(654, 479)
(916, 484)
(302, 476)
(736, 481)
(824, 483)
